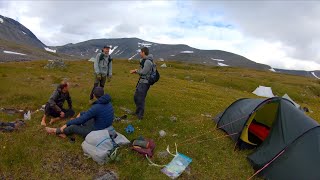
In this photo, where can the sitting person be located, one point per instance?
(54, 106)
(98, 117)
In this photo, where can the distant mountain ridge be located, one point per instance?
(127, 48)
(18, 43)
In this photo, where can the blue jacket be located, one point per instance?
(101, 111)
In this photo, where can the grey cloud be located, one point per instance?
(97, 19)
(294, 23)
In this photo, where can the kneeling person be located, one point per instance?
(54, 106)
(98, 117)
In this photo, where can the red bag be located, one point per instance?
(145, 150)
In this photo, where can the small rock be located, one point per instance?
(109, 175)
(187, 77)
(163, 154)
(126, 110)
(188, 170)
(174, 135)
(173, 118)
(206, 115)
(52, 64)
(162, 133)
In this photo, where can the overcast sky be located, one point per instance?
(282, 34)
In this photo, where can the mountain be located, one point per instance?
(18, 43)
(313, 74)
(128, 48)
(12, 30)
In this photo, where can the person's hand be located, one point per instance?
(133, 71)
(62, 114)
(109, 78)
(63, 127)
(99, 77)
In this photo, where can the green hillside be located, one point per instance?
(191, 93)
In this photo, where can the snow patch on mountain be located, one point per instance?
(23, 32)
(186, 52)
(221, 64)
(272, 70)
(144, 44)
(120, 53)
(11, 52)
(111, 50)
(116, 53)
(1, 20)
(220, 60)
(97, 50)
(50, 50)
(133, 56)
(314, 74)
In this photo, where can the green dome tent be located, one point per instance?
(287, 141)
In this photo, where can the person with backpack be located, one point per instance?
(100, 116)
(102, 69)
(54, 107)
(148, 76)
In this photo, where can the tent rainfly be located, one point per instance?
(286, 141)
(286, 96)
(163, 65)
(92, 59)
(263, 91)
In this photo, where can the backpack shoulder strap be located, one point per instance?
(101, 56)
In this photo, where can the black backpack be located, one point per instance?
(154, 75)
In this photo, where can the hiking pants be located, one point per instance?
(97, 83)
(49, 111)
(82, 130)
(140, 97)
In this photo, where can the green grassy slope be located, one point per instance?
(184, 91)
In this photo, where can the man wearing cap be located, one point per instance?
(98, 117)
(102, 69)
(54, 106)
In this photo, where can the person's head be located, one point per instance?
(144, 52)
(98, 92)
(106, 50)
(64, 86)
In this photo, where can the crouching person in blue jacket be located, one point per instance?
(98, 117)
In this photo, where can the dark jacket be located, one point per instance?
(57, 99)
(101, 111)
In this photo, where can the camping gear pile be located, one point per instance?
(287, 141)
(11, 126)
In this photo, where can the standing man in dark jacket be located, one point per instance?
(54, 106)
(146, 64)
(102, 69)
(98, 117)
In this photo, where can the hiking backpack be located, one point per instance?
(154, 75)
(101, 57)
